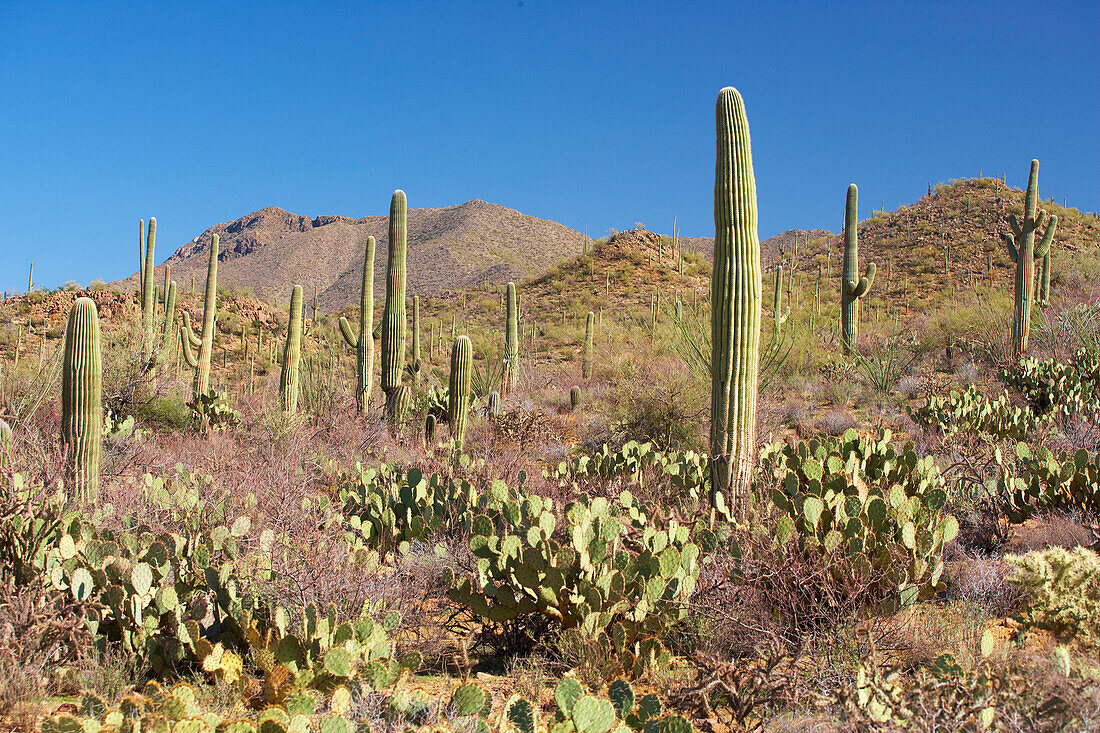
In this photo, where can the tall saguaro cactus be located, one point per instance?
(393, 315)
(141, 262)
(589, 338)
(736, 307)
(416, 365)
(81, 398)
(363, 341)
(205, 344)
(458, 393)
(511, 340)
(148, 291)
(852, 286)
(1023, 251)
(288, 380)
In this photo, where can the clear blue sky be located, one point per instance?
(596, 115)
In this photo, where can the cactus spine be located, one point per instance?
(363, 341)
(148, 293)
(778, 313)
(589, 338)
(1023, 251)
(205, 344)
(736, 302)
(851, 289)
(292, 352)
(458, 397)
(81, 398)
(393, 315)
(511, 340)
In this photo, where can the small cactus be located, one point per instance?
(779, 315)
(288, 381)
(81, 398)
(363, 341)
(493, 408)
(458, 395)
(429, 430)
(574, 397)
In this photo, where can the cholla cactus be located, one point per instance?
(363, 340)
(81, 398)
(736, 302)
(1063, 588)
(1023, 251)
(288, 380)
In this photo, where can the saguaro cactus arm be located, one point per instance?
(1010, 241)
(349, 335)
(188, 350)
(1048, 237)
(860, 289)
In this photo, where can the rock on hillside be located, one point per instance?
(271, 250)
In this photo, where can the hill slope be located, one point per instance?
(271, 250)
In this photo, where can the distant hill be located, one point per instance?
(450, 248)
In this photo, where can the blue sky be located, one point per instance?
(596, 115)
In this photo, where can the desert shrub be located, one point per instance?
(164, 412)
(1062, 588)
(871, 511)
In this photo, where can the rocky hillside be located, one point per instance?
(772, 249)
(455, 247)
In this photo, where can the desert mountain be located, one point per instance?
(454, 247)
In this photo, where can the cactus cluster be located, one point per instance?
(736, 302)
(619, 711)
(1023, 251)
(363, 340)
(859, 498)
(82, 398)
(852, 287)
(1053, 389)
(616, 572)
(972, 412)
(1040, 481)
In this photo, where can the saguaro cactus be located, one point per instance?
(1044, 276)
(779, 315)
(363, 341)
(148, 294)
(511, 340)
(851, 289)
(288, 380)
(169, 325)
(574, 397)
(458, 394)
(141, 261)
(393, 315)
(81, 398)
(205, 344)
(736, 303)
(589, 338)
(416, 364)
(1023, 251)
(429, 430)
